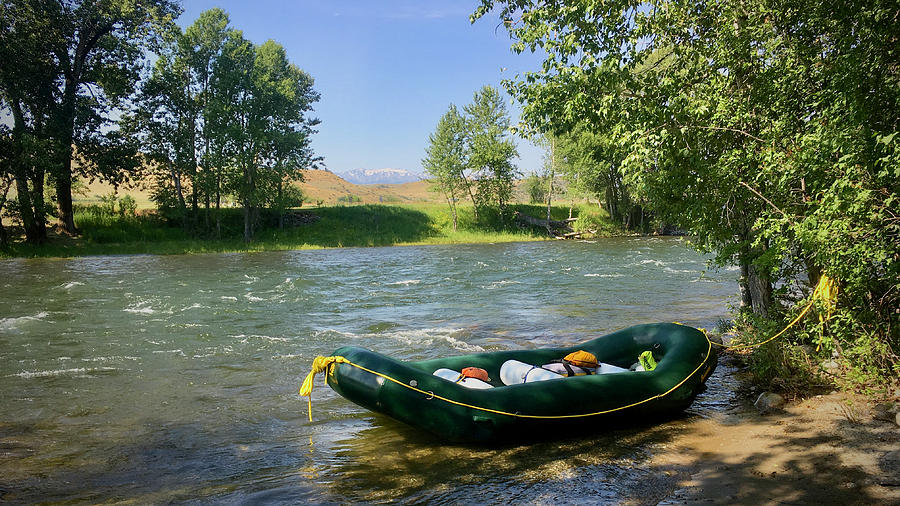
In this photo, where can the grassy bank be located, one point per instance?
(330, 227)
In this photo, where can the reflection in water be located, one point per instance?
(156, 379)
(389, 461)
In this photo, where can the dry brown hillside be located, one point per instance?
(318, 185)
(324, 186)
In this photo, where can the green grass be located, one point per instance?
(338, 226)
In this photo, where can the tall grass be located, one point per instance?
(338, 226)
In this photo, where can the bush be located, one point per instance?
(535, 188)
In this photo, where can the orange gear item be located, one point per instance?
(582, 358)
(475, 372)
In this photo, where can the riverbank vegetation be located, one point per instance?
(109, 228)
(768, 132)
(214, 116)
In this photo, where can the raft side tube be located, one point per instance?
(415, 396)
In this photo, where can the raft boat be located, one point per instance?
(411, 392)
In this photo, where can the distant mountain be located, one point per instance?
(379, 176)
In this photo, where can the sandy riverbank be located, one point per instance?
(829, 449)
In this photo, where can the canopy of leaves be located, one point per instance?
(769, 130)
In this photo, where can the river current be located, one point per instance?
(174, 378)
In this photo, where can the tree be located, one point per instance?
(767, 130)
(201, 46)
(81, 58)
(592, 164)
(175, 117)
(535, 187)
(161, 123)
(490, 149)
(264, 101)
(446, 159)
(226, 117)
(29, 91)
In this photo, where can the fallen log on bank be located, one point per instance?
(557, 228)
(572, 235)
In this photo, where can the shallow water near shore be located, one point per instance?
(174, 378)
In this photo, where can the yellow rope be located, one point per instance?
(432, 395)
(826, 291)
(320, 364)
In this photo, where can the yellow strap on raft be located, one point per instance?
(826, 291)
(320, 364)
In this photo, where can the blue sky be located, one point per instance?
(386, 70)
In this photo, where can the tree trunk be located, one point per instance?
(25, 209)
(760, 287)
(218, 211)
(20, 175)
(552, 173)
(611, 203)
(4, 237)
(179, 195)
(743, 284)
(65, 134)
(281, 206)
(248, 234)
(249, 203)
(471, 196)
(452, 205)
(206, 211)
(37, 203)
(66, 223)
(219, 198)
(755, 283)
(549, 194)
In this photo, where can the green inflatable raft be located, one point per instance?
(411, 392)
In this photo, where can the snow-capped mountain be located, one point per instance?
(379, 176)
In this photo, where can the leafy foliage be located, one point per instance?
(471, 153)
(75, 62)
(769, 131)
(446, 159)
(219, 117)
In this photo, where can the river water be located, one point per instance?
(174, 378)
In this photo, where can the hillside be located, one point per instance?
(330, 189)
(318, 185)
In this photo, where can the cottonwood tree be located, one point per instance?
(161, 121)
(591, 163)
(224, 117)
(770, 131)
(75, 61)
(447, 158)
(28, 92)
(264, 101)
(490, 149)
(176, 119)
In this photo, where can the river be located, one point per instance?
(174, 378)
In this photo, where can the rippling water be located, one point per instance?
(174, 378)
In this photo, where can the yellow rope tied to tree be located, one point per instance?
(826, 291)
(320, 364)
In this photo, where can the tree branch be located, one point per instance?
(727, 129)
(767, 201)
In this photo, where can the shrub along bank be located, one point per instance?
(110, 230)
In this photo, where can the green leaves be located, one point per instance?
(796, 101)
(230, 117)
(471, 154)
